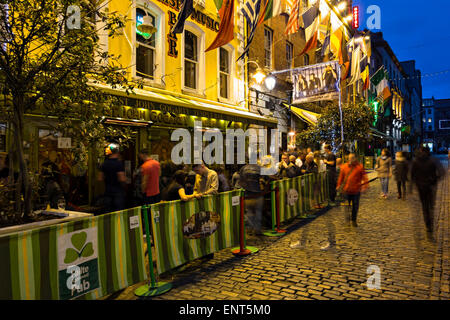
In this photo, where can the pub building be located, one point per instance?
(182, 84)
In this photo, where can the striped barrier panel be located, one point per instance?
(84, 259)
(183, 231)
(297, 195)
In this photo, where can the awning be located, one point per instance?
(305, 115)
(166, 101)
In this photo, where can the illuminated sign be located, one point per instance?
(356, 17)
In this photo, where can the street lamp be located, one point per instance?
(270, 82)
(146, 27)
(259, 76)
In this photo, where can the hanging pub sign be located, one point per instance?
(316, 82)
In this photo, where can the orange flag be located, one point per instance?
(226, 27)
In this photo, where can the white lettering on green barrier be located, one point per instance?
(77, 263)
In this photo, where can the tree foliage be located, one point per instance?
(357, 120)
(47, 68)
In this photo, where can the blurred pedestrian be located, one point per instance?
(138, 195)
(352, 181)
(235, 178)
(384, 170)
(250, 176)
(400, 171)
(224, 185)
(113, 174)
(321, 168)
(151, 171)
(425, 173)
(330, 162)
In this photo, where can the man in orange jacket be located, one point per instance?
(352, 181)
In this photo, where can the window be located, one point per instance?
(429, 111)
(190, 59)
(145, 52)
(289, 54)
(306, 60)
(430, 128)
(224, 72)
(268, 39)
(429, 120)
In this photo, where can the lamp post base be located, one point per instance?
(147, 291)
(275, 233)
(247, 251)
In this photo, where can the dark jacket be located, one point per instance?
(426, 171)
(310, 168)
(401, 170)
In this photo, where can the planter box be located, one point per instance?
(67, 217)
(39, 259)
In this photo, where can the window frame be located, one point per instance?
(289, 46)
(160, 44)
(269, 31)
(195, 62)
(139, 44)
(231, 69)
(306, 57)
(200, 81)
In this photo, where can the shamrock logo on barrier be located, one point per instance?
(81, 248)
(292, 197)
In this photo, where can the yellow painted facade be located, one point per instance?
(169, 61)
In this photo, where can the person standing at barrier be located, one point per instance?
(384, 170)
(309, 166)
(401, 174)
(151, 171)
(254, 199)
(330, 162)
(206, 181)
(352, 181)
(425, 173)
(283, 165)
(292, 170)
(176, 189)
(113, 174)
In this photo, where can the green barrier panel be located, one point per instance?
(105, 253)
(173, 248)
(297, 197)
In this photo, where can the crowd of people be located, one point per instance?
(166, 181)
(154, 181)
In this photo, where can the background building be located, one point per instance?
(393, 115)
(413, 102)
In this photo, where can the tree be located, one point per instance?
(47, 66)
(357, 120)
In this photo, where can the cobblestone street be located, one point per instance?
(390, 235)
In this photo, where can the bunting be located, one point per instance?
(272, 8)
(250, 11)
(294, 18)
(226, 27)
(311, 19)
(187, 7)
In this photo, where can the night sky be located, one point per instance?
(418, 30)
